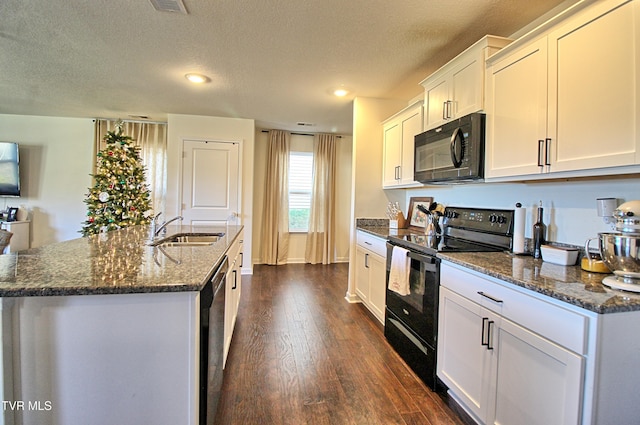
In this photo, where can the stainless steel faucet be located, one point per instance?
(164, 225)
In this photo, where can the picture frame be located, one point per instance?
(12, 214)
(416, 218)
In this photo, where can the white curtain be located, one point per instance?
(321, 243)
(151, 138)
(275, 219)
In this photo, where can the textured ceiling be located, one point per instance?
(274, 61)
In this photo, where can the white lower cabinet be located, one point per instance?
(371, 272)
(502, 372)
(233, 289)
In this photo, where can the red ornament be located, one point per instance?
(110, 153)
(91, 220)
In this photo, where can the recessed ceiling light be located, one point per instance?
(197, 78)
(341, 92)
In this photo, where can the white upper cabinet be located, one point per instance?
(398, 133)
(565, 103)
(457, 89)
(517, 112)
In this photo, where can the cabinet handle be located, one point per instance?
(444, 110)
(368, 243)
(241, 258)
(483, 333)
(489, 334)
(547, 149)
(235, 280)
(489, 297)
(540, 147)
(366, 261)
(449, 108)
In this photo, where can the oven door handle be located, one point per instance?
(430, 263)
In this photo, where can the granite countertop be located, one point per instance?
(117, 262)
(570, 284)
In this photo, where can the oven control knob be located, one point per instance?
(502, 219)
(493, 218)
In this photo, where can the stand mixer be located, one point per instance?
(620, 250)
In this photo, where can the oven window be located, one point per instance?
(418, 310)
(417, 286)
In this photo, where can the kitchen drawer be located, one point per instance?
(372, 243)
(546, 318)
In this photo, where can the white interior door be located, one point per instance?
(210, 182)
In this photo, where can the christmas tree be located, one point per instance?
(120, 196)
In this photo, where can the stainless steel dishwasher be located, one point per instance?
(212, 301)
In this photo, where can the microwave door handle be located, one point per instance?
(457, 162)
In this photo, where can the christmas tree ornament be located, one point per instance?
(103, 197)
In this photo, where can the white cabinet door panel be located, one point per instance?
(517, 112)
(462, 359)
(592, 108)
(537, 382)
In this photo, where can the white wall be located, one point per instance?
(569, 206)
(297, 241)
(193, 127)
(55, 165)
(368, 200)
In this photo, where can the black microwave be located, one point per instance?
(453, 152)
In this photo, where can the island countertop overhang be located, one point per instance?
(116, 262)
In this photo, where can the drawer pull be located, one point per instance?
(490, 297)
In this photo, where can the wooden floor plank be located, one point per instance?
(301, 354)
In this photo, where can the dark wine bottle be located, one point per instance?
(539, 232)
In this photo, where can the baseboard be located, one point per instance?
(352, 298)
(457, 408)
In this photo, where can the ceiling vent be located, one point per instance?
(175, 6)
(305, 124)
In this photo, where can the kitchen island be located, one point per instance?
(105, 329)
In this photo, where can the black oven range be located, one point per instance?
(411, 315)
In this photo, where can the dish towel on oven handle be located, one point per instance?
(399, 272)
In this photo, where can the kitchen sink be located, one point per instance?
(188, 239)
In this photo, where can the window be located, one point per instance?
(300, 181)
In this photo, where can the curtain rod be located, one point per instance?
(304, 134)
(135, 121)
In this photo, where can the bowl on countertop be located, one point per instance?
(620, 253)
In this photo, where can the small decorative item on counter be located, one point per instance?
(416, 219)
(559, 255)
(539, 232)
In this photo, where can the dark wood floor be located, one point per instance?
(302, 355)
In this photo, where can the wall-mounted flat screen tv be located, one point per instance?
(9, 169)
